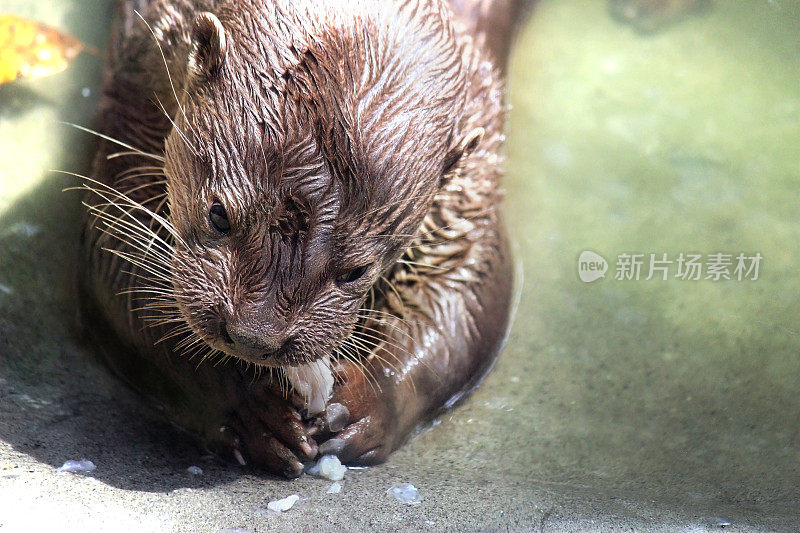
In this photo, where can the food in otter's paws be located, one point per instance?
(313, 381)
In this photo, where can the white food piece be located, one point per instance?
(314, 382)
(283, 505)
(335, 488)
(328, 467)
(195, 470)
(406, 493)
(82, 466)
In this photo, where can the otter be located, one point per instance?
(293, 243)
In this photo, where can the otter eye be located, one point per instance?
(219, 218)
(353, 275)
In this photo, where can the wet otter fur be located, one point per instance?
(290, 183)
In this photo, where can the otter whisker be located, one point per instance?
(345, 351)
(373, 353)
(176, 128)
(205, 353)
(382, 313)
(146, 185)
(159, 277)
(413, 264)
(161, 308)
(175, 332)
(155, 322)
(395, 291)
(393, 328)
(422, 361)
(116, 155)
(162, 291)
(140, 247)
(125, 175)
(133, 150)
(157, 295)
(123, 178)
(166, 67)
(132, 203)
(148, 247)
(383, 334)
(189, 342)
(156, 279)
(375, 342)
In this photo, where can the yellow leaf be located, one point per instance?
(29, 49)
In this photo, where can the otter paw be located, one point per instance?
(265, 431)
(362, 443)
(356, 426)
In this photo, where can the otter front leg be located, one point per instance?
(452, 328)
(237, 414)
(261, 429)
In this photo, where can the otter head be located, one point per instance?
(310, 144)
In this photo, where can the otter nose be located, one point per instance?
(251, 343)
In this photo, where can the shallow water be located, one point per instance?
(643, 403)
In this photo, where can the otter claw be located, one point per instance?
(332, 420)
(332, 447)
(307, 450)
(239, 458)
(336, 417)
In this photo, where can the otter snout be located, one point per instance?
(250, 343)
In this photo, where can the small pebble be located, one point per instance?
(328, 467)
(82, 466)
(86, 92)
(721, 522)
(335, 488)
(195, 470)
(406, 493)
(284, 504)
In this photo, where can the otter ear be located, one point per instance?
(463, 149)
(209, 46)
